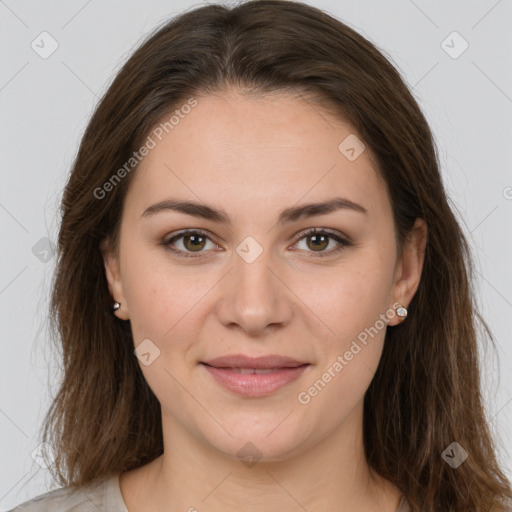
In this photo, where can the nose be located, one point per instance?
(253, 297)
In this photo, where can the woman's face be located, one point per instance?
(251, 281)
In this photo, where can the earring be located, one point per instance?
(401, 311)
(116, 306)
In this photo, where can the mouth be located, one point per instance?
(254, 376)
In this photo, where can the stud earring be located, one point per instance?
(116, 306)
(401, 311)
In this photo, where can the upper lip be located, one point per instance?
(262, 362)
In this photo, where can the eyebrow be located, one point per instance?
(288, 215)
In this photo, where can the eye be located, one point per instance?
(317, 240)
(188, 242)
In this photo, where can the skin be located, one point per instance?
(254, 157)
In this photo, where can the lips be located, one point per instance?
(254, 376)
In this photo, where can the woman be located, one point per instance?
(263, 296)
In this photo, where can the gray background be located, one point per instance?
(46, 103)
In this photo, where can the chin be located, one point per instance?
(261, 443)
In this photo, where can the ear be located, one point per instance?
(408, 270)
(114, 281)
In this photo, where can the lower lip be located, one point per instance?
(254, 384)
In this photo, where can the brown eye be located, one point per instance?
(194, 243)
(189, 243)
(317, 242)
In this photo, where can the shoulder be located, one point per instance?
(100, 494)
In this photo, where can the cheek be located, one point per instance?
(159, 294)
(354, 307)
(351, 297)
(164, 305)
(353, 302)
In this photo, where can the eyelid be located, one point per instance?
(312, 231)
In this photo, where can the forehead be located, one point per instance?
(242, 151)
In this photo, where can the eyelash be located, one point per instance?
(342, 243)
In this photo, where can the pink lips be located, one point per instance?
(254, 376)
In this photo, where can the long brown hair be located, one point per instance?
(426, 392)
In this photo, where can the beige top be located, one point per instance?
(104, 494)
